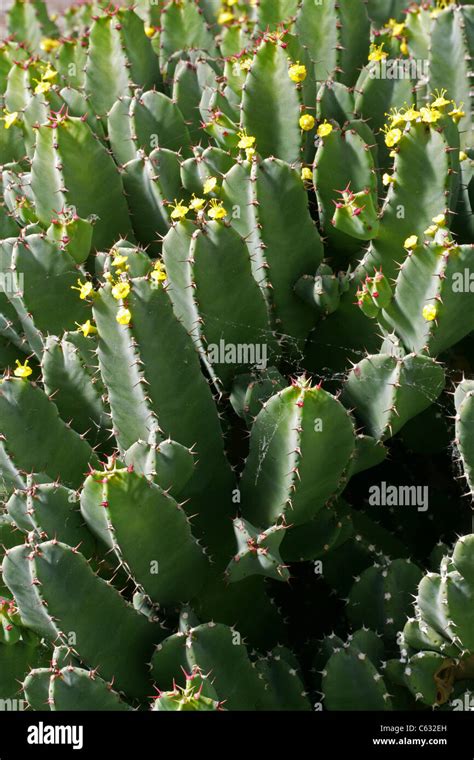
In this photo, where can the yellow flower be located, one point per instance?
(49, 73)
(430, 115)
(396, 29)
(226, 17)
(431, 230)
(441, 5)
(395, 118)
(392, 137)
(245, 64)
(119, 260)
(42, 87)
(217, 210)
(121, 290)
(463, 156)
(123, 316)
(439, 220)
(411, 114)
(210, 185)
(246, 141)
(388, 180)
(85, 289)
(48, 45)
(10, 118)
(404, 47)
(411, 242)
(440, 101)
(430, 313)
(159, 272)
(377, 53)
(306, 174)
(22, 370)
(150, 31)
(87, 328)
(197, 204)
(307, 122)
(457, 113)
(250, 153)
(297, 72)
(325, 129)
(179, 211)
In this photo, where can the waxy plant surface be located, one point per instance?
(237, 394)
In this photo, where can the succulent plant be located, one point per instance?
(235, 241)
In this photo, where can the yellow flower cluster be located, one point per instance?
(119, 262)
(230, 13)
(48, 75)
(430, 311)
(440, 6)
(308, 122)
(159, 272)
(398, 31)
(121, 290)
(400, 119)
(243, 64)
(121, 287)
(396, 28)
(216, 210)
(438, 222)
(247, 143)
(48, 45)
